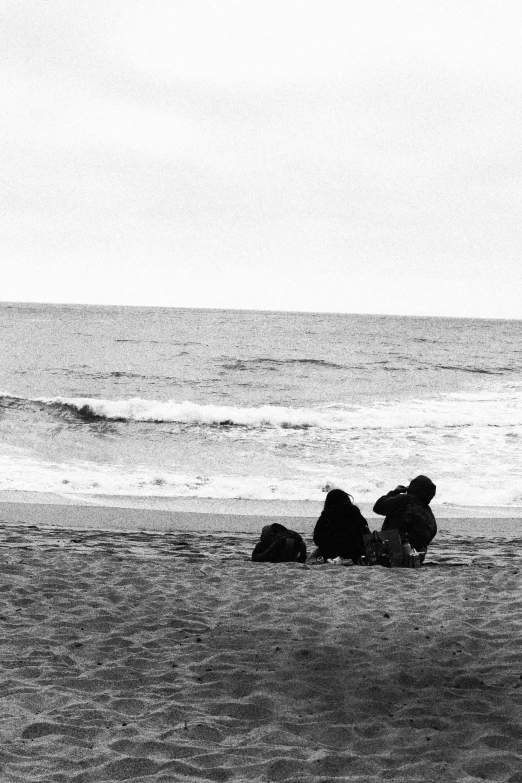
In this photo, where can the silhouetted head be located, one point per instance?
(338, 499)
(423, 488)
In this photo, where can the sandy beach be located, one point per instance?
(165, 657)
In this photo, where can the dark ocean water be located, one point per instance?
(165, 403)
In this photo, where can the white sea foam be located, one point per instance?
(82, 478)
(18, 473)
(502, 407)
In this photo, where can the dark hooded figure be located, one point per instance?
(279, 545)
(340, 528)
(407, 509)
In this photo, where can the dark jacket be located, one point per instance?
(410, 514)
(279, 545)
(340, 534)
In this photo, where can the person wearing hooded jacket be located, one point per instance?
(340, 529)
(407, 509)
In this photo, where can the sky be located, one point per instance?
(276, 155)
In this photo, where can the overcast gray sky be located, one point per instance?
(294, 155)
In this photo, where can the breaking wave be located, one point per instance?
(502, 408)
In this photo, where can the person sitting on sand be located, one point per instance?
(407, 509)
(278, 544)
(340, 529)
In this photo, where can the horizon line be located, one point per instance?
(256, 310)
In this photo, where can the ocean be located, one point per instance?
(162, 405)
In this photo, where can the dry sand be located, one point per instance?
(141, 659)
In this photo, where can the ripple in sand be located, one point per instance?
(493, 766)
(43, 729)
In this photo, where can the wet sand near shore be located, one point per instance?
(168, 656)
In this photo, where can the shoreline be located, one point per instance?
(236, 506)
(243, 517)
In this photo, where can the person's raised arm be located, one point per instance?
(394, 501)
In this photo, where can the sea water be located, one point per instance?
(180, 404)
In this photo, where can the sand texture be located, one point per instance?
(129, 662)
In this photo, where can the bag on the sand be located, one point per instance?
(382, 548)
(279, 545)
